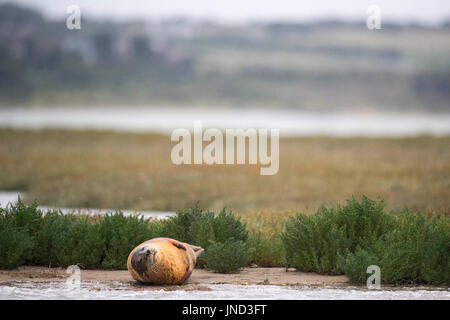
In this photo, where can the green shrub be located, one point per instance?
(199, 227)
(51, 238)
(208, 228)
(23, 216)
(226, 257)
(416, 251)
(314, 242)
(408, 248)
(179, 226)
(15, 244)
(86, 244)
(56, 239)
(201, 231)
(20, 225)
(74, 240)
(202, 228)
(226, 226)
(121, 234)
(354, 265)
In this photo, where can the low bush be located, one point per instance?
(227, 257)
(314, 242)
(354, 264)
(416, 251)
(15, 244)
(86, 244)
(69, 239)
(18, 225)
(408, 248)
(55, 239)
(51, 241)
(120, 234)
(204, 228)
(179, 226)
(200, 227)
(23, 216)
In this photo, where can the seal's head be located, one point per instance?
(144, 258)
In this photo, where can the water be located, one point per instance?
(290, 122)
(11, 197)
(120, 291)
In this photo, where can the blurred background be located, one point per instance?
(317, 56)
(360, 111)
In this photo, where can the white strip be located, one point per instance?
(290, 122)
(11, 197)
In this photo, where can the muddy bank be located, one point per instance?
(251, 284)
(199, 278)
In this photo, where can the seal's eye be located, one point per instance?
(147, 253)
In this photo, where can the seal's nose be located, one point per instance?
(137, 256)
(138, 261)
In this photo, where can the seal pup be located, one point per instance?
(163, 261)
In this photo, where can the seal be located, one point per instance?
(163, 261)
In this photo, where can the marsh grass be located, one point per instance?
(264, 237)
(101, 169)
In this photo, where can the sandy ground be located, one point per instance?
(267, 276)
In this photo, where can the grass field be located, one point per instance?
(134, 171)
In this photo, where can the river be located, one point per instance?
(289, 122)
(7, 197)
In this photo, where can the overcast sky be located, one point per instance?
(425, 11)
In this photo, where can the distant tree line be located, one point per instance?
(36, 54)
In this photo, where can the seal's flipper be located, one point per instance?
(198, 252)
(195, 248)
(183, 246)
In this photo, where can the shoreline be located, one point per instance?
(197, 281)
